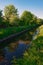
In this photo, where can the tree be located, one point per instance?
(10, 10)
(14, 20)
(11, 14)
(27, 17)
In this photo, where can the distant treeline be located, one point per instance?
(12, 18)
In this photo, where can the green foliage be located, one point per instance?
(10, 30)
(10, 10)
(11, 15)
(41, 31)
(33, 56)
(14, 24)
(11, 18)
(14, 20)
(27, 17)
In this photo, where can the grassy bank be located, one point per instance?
(10, 30)
(34, 54)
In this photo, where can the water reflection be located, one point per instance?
(18, 53)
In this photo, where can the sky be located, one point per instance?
(35, 6)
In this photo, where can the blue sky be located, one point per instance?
(35, 6)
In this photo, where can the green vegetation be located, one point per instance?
(12, 23)
(11, 30)
(41, 30)
(34, 54)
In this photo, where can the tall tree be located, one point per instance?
(10, 10)
(11, 14)
(27, 17)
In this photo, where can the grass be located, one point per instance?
(10, 30)
(41, 30)
(34, 54)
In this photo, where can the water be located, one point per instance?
(18, 52)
